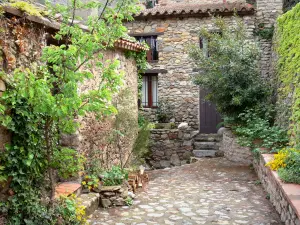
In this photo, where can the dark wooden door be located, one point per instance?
(209, 117)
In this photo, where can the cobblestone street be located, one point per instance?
(210, 191)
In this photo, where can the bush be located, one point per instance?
(253, 127)
(115, 176)
(287, 163)
(227, 66)
(289, 175)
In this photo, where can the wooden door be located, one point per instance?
(209, 117)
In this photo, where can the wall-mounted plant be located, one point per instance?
(164, 112)
(264, 32)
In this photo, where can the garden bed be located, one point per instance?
(285, 197)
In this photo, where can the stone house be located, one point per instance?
(92, 137)
(169, 27)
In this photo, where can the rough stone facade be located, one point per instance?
(233, 151)
(97, 138)
(171, 147)
(267, 13)
(278, 193)
(176, 87)
(20, 47)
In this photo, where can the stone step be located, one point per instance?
(204, 153)
(206, 145)
(208, 137)
(89, 201)
(67, 189)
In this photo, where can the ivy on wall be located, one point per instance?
(288, 48)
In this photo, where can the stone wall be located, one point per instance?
(170, 147)
(97, 138)
(282, 196)
(267, 13)
(176, 87)
(20, 47)
(233, 151)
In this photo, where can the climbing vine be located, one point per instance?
(42, 102)
(288, 48)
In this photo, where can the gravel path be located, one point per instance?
(210, 191)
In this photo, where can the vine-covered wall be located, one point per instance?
(20, 47)
(21, 44)
(288, 49)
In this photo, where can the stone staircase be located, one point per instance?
(207, 145)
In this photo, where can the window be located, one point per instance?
(152, 54)
(151, 3)
(149, 91)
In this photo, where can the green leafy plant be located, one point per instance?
(290, 173)
(227, 66)
(90, 182)
(264, 32)
(288, 48)
(115, 176)
(44, 101)
(70, 157)
(164, 112)
(129, 201)
(254, 128)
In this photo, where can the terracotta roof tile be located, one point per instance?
(195, 10)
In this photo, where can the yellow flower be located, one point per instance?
(83, 183)
(279, 160)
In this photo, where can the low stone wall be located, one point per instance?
(171, 147)
(233, 151)
(284, 197)
(113, 196)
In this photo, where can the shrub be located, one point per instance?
(115, 176)
(253, 127)
(227, 66)
(289, 175)
(287, 163)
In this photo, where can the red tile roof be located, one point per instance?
(195, 10)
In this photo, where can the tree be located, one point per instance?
(44, 101)
(228, 67)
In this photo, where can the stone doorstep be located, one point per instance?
(208, 137)
(67, 188)
(206, 145)
(204, 153)
(291, 191)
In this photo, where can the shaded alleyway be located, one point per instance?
(211, 191)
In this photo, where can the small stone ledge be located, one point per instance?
(89, 201)
(285, 197)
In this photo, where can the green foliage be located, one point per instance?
(90, 182)
(142, 65)
(289, 175)
(45, 101)
(164, 112)
(288, 48)
(114, 176)
(70, 157)
(253, 127)
(141, 144)
(264, 32)
(129, 201)
(291, 172)
(141, 120)
(228, 68)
